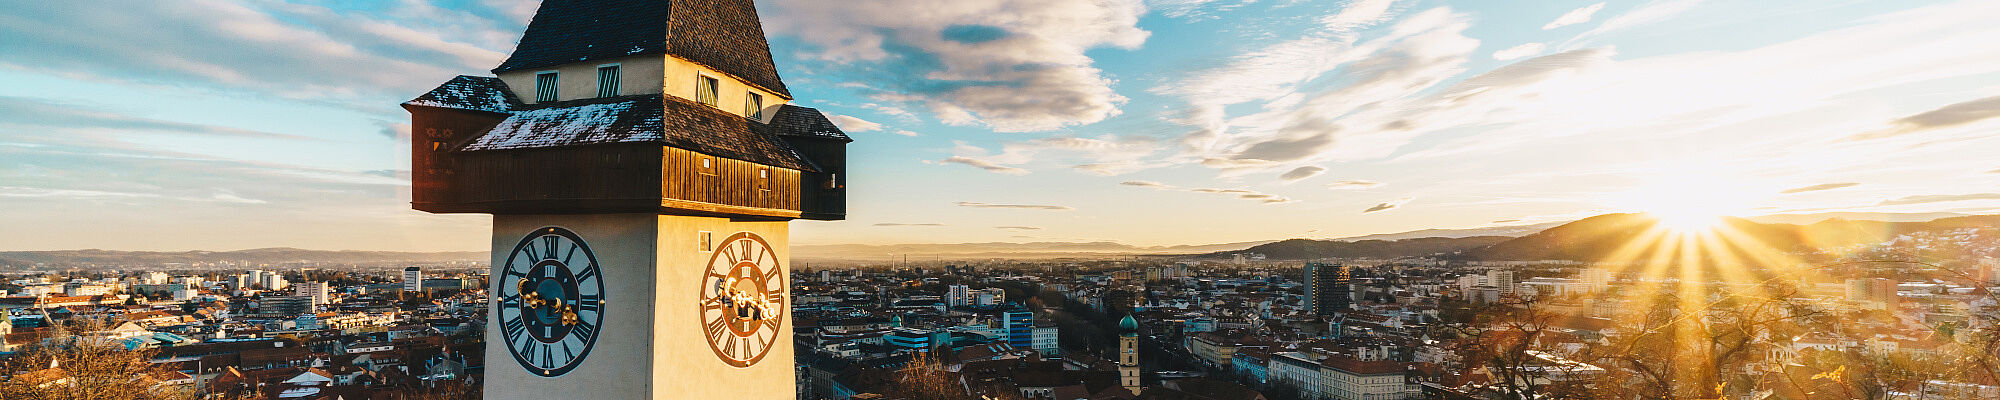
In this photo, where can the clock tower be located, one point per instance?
(642, 161)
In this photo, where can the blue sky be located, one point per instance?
(205, 124)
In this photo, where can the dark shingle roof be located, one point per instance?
(721, 34)
(793, 120)
(667, 120)
(478, 93)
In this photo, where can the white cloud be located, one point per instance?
(1361, 119)
(1106, 155)
(852, 124)
(1390, 205)
(1359, 14)
(1042, 207)
(292, 50)
(1573, 17)
(1524, 50)
(1011, 65)
(1653, 12)
(1354, 184)
(985, 165)
(906, 133)
(1301, 173)
(1194, 8)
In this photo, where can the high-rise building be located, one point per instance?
(1502, 280)
(273, 281)
(153, 278)
(1328, 289)
(315, 290)
(285, 305)
(413, 279)
(958, 296)
(1595, 280)
(1020, 326)
(989, 297)
(1872, 289)
(1128, 354)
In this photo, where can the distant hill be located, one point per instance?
(1508, 231)
(1001, 250)
(1307, 249)
(1808, 219)
(258, 256)
(1597, 238)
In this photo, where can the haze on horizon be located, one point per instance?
(219, 125)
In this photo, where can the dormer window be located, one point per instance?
(705, 90)
(753, 106)
(607, 80)
(545, 87)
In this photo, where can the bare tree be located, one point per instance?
(72, 366)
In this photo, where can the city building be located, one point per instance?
(958, 296)
(317, 291)
(1328, 289)
(413, 279)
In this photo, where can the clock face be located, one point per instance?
(550, 301)
(743, 300)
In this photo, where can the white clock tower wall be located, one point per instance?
(619, 362)
(653, 268)
(683, 358)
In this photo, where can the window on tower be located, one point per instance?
(607, 80)
(753, 106)
(545, 87)
(763, 179)
(705, 90)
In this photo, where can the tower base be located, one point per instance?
(652, 342)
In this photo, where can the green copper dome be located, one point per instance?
(1128, 325)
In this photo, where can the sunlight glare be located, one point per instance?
(1689, 200)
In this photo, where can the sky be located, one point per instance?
(222, 125)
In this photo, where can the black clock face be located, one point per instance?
(550, 301)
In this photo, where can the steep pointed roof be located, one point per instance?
(721, 34)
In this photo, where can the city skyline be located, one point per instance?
(220, 125)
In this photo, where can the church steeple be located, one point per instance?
(1128, 354)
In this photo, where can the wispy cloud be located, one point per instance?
(1573, 17)
(1388, 205)
(1103, 155)
(1015, 206)
(1819, 187)
(292, 50)
(852, 124)
(1019, 228)
(1943, 117)
(1939, 198)
(1244, 194)
(1647, 14)
(1011, 65)
(1301, 173)
(22, 111)
(907, 224)
(907, 133)
(1524, 50)
(32, 192)
(1354, 184)
(985, 165)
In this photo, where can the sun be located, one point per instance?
(1689, 200)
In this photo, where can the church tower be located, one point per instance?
(642, 161)
(1128, 354)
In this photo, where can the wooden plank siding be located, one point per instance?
(734, 184)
